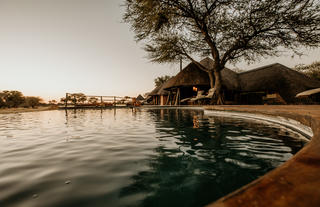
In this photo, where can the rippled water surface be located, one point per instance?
(133, 158)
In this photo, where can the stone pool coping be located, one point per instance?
(294, 183)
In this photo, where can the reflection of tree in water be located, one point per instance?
(195, 171)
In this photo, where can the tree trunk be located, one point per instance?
(215, 82)
(217, 86)
(211, 78)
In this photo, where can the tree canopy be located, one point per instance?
(32, 101)
(161, 80)
(13, 99)
(311, 70)
(227, 30)
(76, 98)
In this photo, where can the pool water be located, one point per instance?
(124, 157)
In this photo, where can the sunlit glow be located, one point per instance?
(52, 47)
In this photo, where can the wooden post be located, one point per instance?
(101, 101)
(176, 99)
(114, 101)
(66, 101)
(179, 97)
(177, 102)
(168, 99)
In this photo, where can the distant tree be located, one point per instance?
(62, 100)
(76, 98)
(53, 102)
(312, 70)
(2, 102)
(93, 100)
(32, 101)
(160, 80)
(228, 30)
(13, 98)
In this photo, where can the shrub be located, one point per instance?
(31, 101)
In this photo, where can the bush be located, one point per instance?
(31, 101)
(12, 98)
(2, 103)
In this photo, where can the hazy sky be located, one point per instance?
(49, 47)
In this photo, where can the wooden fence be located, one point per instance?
(77, 100)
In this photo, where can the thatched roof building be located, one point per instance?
(276, 78)
(250, 87)
(140, 98)
(154, 92)
(192, 75)
(158, 95)
(229, 78)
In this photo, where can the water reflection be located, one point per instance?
(128, 157)
(203, 158)
(82, 112)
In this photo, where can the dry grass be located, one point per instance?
(20, 110)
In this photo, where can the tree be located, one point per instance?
(32, 101)
(53, 102)
(13, 98)
(161, 80)
(228, 30)
(312, 70)
(76, 98)
(62, 100)
(2, 102)
(93, 100)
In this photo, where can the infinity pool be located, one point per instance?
(124, 157)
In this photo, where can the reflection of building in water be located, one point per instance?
(195, 122)
(162, 114)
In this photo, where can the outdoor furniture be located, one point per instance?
(209, 95)
(308, 92)
(273, 98)
(199, 95)
(204, 97)
(185, 100)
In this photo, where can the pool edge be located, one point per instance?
(297, 181)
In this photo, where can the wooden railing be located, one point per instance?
(82, 100)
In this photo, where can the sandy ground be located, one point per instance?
(20, 110)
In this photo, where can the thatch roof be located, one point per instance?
(158, 91)
(276, 77)
(154, 92)
(192, 75)
(162, 90)
(229, 78)
(140, 98)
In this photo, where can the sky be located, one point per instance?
(50, 47)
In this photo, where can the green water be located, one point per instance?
(146, 157)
